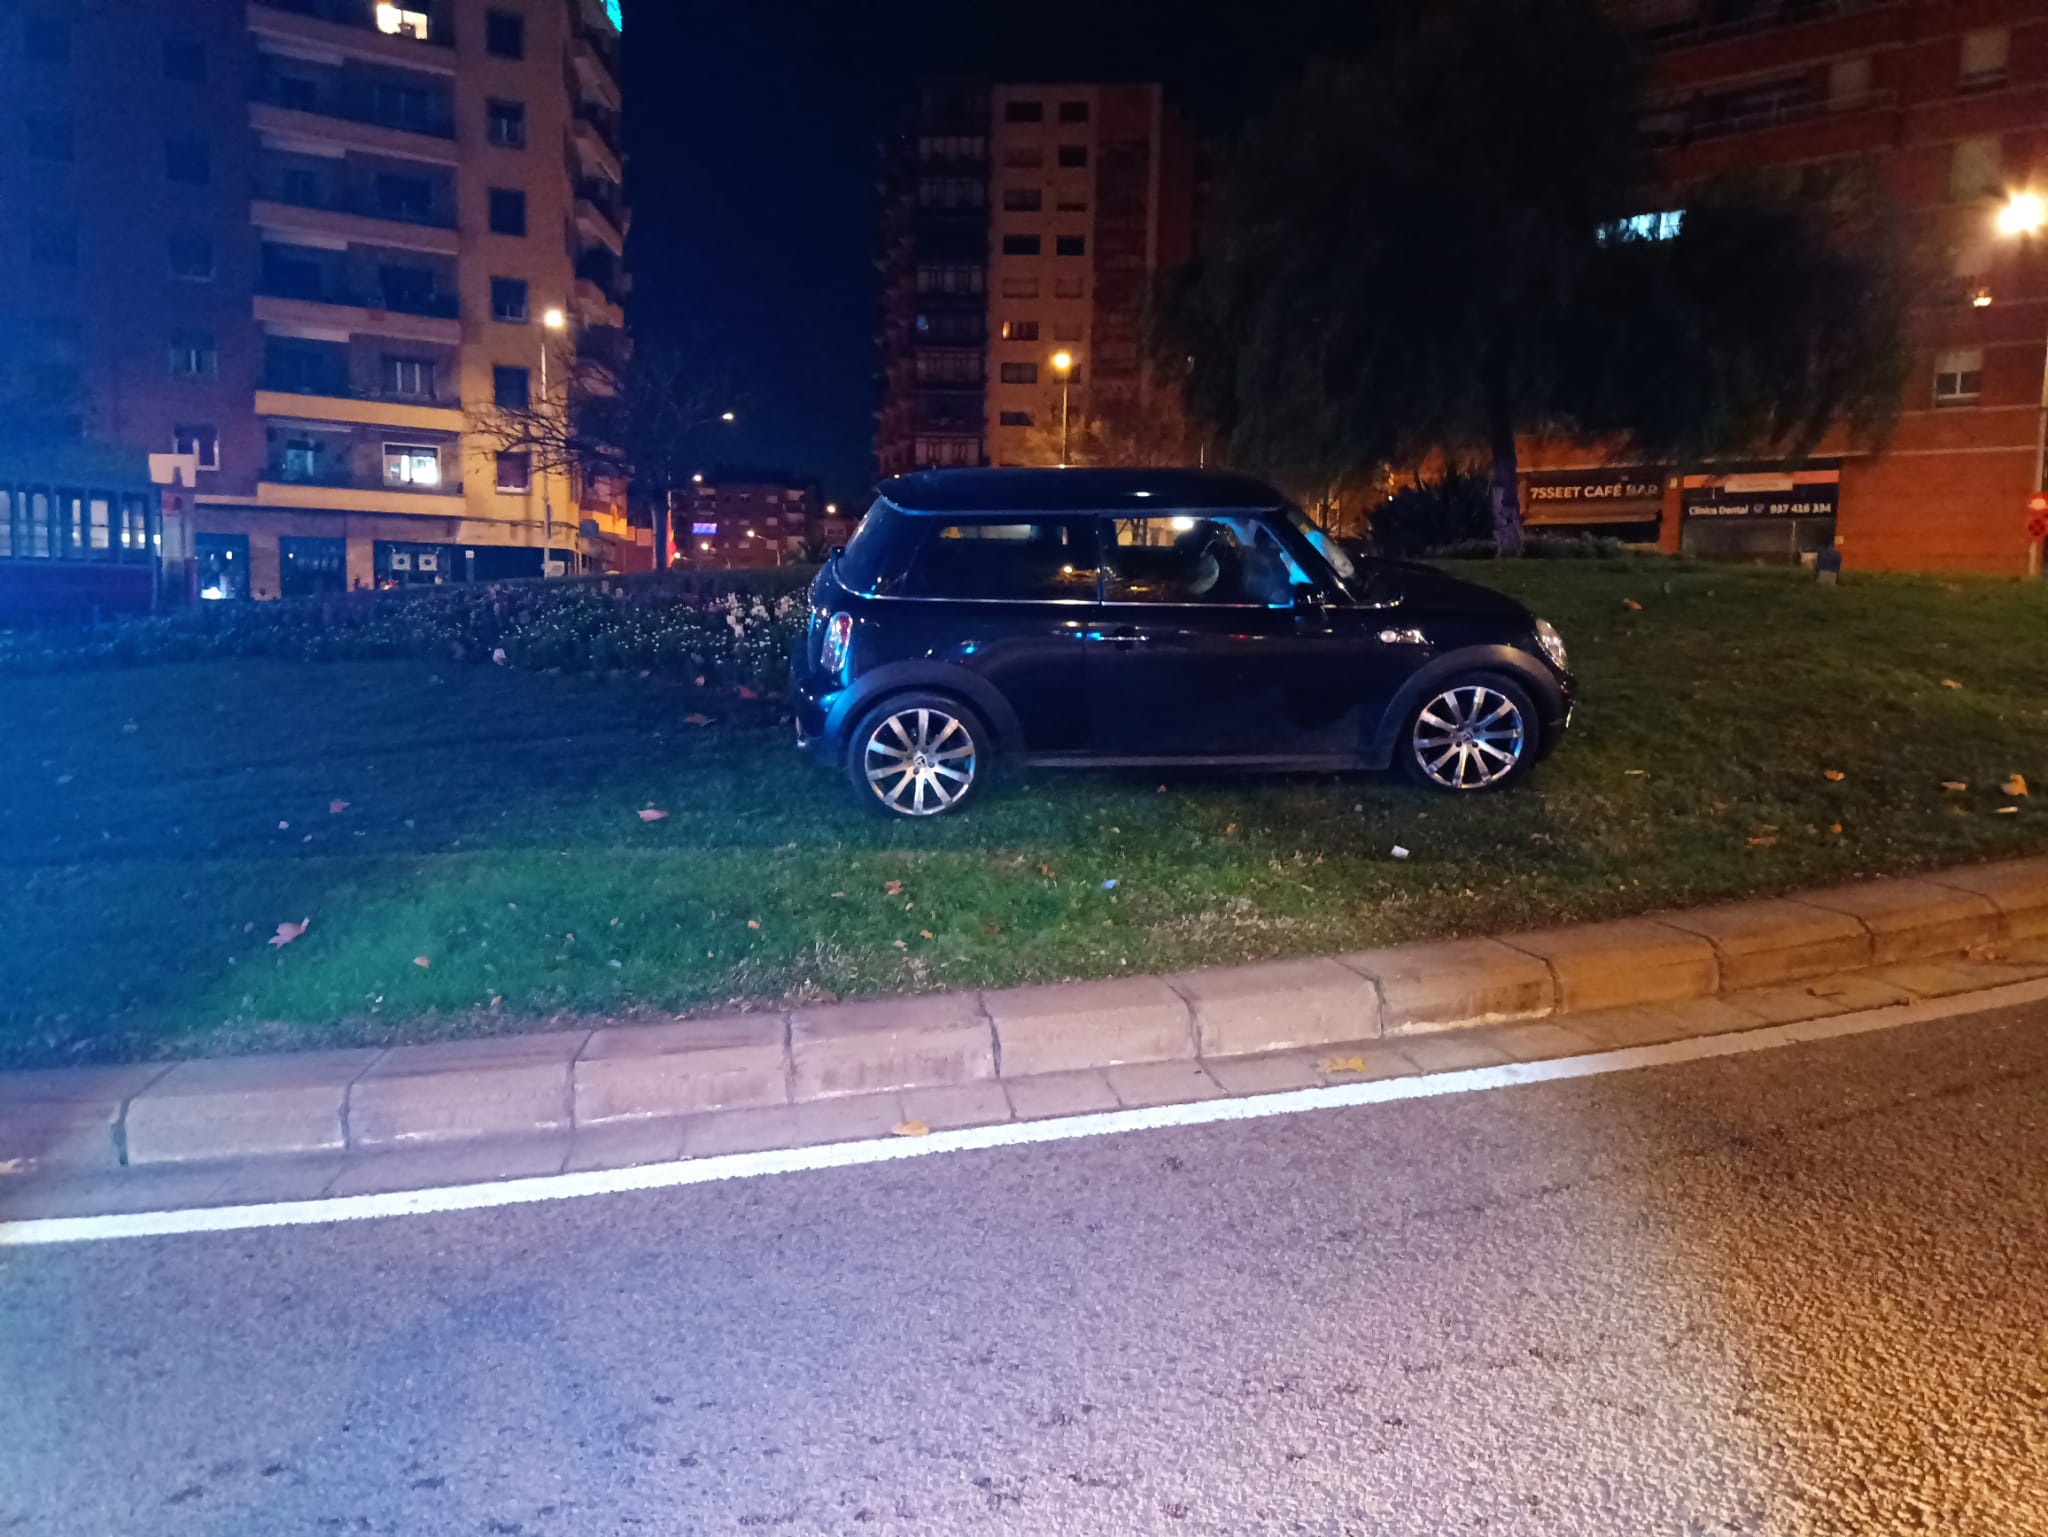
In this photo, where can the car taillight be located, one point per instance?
(838, 636)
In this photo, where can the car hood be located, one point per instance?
(1427, 587)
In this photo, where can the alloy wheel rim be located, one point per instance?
(919, 762)
(1469, 737)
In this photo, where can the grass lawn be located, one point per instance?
(490, 872)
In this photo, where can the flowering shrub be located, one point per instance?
(740, 638)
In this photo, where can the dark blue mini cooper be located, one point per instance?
(1101, 617)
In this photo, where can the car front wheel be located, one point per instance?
(917, 755)
(1479, 733)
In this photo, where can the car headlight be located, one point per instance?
(1552, 644)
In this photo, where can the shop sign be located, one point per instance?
(1764, 496)
(1628, 494)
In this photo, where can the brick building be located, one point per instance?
(1941, 107)
(296, 239)
(1021, 222)
(747, 518)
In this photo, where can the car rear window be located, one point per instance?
(865, 560)
(1031, 560)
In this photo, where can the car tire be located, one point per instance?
(1475, 732)
(918, 754)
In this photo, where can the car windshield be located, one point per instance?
(1341, 565)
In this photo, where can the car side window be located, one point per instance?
(1232, 560)
(1036, 561)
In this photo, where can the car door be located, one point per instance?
(1012, 599)
(1218, 640)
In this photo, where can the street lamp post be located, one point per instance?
(1063, 365)
(551, 320)
(2024, 215)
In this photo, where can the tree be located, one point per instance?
(1422, 252)
(641, 418)
(1146, 428)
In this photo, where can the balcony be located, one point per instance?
(593, 60)
(1661, 24)
(353, 119)
(323, 490)
(593, 306)
(600, 214)
(349, 27)
(357, 219)
(432, 319)
(595, 133)
(336, 403)
(1674, 128)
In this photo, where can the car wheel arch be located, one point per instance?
(919, 675)
(1439, 671)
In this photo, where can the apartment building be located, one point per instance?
(1939, 107)
(307, 243)
(741, 517)
(1022, 226)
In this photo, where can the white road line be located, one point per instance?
(841, 1155)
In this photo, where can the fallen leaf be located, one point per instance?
(694, 719)
(287, 932)
(927, 933)
(893, 888)
(1162, 788)
(422, 962)
(1109, 885)
(1399, 852)
(496, 999)
(1769, 840)
(911, 1129)
(1635, 773)
(1343, 1064)
(1230, 830)
(1834, 775)
(746, 693)
(2005, 811)
(2017, 785)
(498, 655)
(901, 945)
(1046, 871)
(1954, 784)
(839, 893)
(1834, 827)
(336, 808)
(284, 827)
(753, 923)
(1950, 683)
(649, 814)
(1632, 605)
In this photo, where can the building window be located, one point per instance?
(510, 389)
(1014, 418)
(505, 34)
(307, 567)
(1975, 168)
(1020, 373)
(54, 245)
(406, 106)
(1020, 330)
(49, 136)
(192, 257)
(188, 159)
(515, 472)
(199, 439)
(411, 464)
(951, 192)
(409, 290)
(1022, 199)
(1023, 157)
(1020, 285)
(1067, 330)
(1070, 287)
(300, 461)
(1071, 204)
(508, 300)
(1849, 82)
(952, 146)
(1073, 156)
(185, 59)
(1073, 111)
(508, 211)
(505, 123)
(952, 278)
(1020, 245)
(409, 378)
(400, 22)
(404, 197)
(194, 355)
(936, 366)
(1958, 376)
(46, 39)
(1023, 111)
(1070, 245)
(1985, 53)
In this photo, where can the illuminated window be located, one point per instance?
(410, 464)
(1958, 376)
(399, 22)
(1020, 330)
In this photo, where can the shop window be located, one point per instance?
(309, 567)
(221, 563)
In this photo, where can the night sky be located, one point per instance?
(753, 131)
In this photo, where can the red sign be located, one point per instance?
(2037, 524)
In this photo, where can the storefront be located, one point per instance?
(1772, 514)
(1625, 503)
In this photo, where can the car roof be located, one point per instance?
(1077, 490)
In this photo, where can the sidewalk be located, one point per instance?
(355, 1122)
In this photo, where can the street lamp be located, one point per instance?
(2024, 215)
(550, 320)
(1063, 365)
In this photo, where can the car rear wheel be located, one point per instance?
(1477, 733)
(918, 755)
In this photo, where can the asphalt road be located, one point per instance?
(1799, 1291)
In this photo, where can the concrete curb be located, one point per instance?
(934, 1049)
